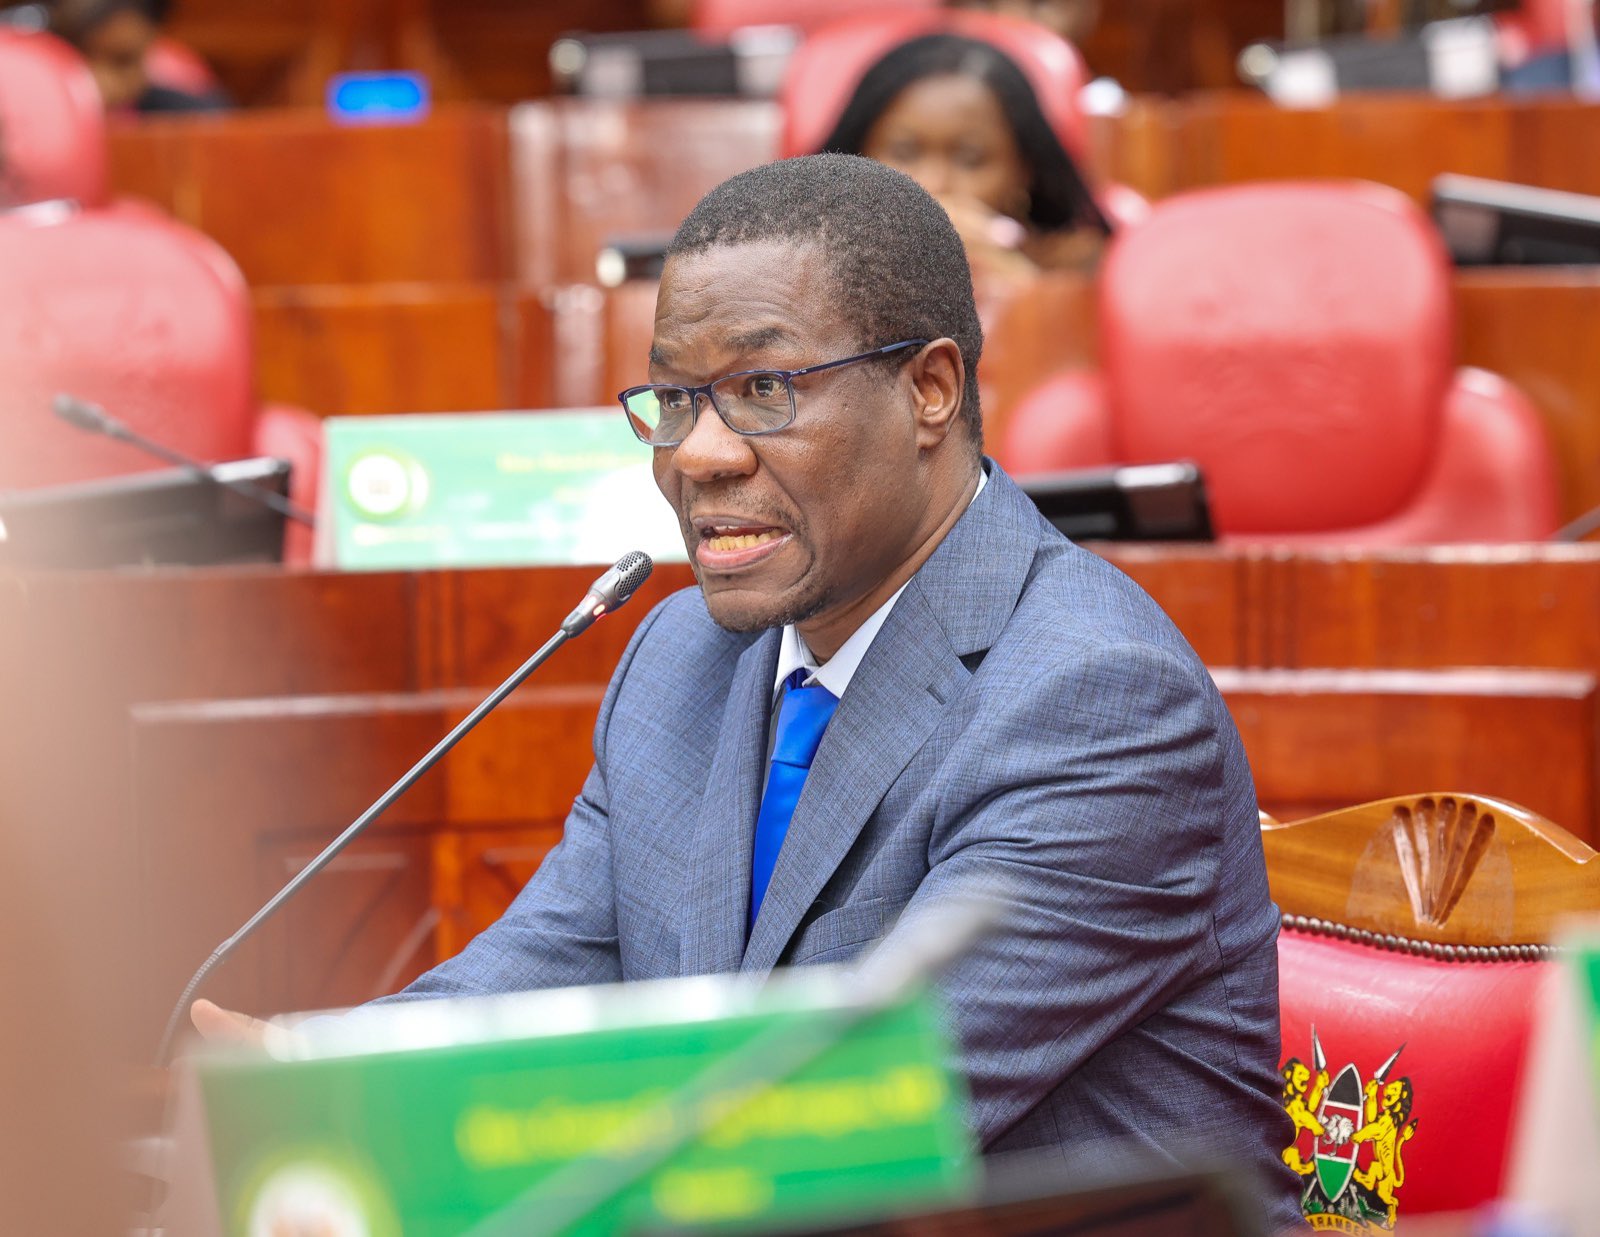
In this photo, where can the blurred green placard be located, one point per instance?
(487, 490)
(427, 1119)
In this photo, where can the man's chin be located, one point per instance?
(740, 611)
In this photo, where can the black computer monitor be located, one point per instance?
(176, 516)
(749, 63)
(1137, 502)
(1495, 223)
(1034, 1195)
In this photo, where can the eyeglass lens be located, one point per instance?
(749, 404)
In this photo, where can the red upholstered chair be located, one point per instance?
(1414, 941)
(1532, 27)
(52, 125)
(146, 317)
(178, 67)
(1295, 340)
(722, 17)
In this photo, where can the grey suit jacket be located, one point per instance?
(1026, 712)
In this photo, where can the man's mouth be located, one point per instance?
(740, 540)
(726, 545)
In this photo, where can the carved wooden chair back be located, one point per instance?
(1415, 933)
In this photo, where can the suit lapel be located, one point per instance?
(718, 901)
(956, 605)
(907, 675)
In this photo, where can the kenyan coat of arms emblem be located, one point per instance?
(1349, 1141)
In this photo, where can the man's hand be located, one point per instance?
(224, 1026)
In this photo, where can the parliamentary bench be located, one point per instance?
(231, 797)
(234, 719)
(450, 265)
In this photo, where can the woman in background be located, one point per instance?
(959, 117)
(115, 36)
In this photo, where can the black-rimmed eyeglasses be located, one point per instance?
(751, 402)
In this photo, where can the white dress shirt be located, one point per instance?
(835, 673)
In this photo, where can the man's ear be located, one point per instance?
(938, 383)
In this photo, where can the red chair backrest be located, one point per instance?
(177, 66)
(1537, 25)
(722, 17)
(133, 313)
(1293, 339)
(1457, 1034)
(828, 66)
(52, 123)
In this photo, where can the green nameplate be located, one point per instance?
(1587, 965)
(452, 1112)
(485, 490)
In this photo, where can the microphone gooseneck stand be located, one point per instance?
(607, 593)
(92, 419)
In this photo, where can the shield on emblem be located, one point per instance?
(1341, 1117)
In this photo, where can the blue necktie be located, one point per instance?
(802, 718)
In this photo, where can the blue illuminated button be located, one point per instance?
(377, 97)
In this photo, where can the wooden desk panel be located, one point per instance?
(1323, 739)
(1541, 330)
(1463, 606)
(586, 171)
(1163, 146)
(84, 767)
(344, 349)
(297, 199)
(230, 799)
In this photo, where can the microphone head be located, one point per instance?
(631, 570)
(619, 583)
(81, 414)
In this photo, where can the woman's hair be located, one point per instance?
(1057, 196)
(75, 20)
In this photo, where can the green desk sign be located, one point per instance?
(488, 490)
(450, 1117)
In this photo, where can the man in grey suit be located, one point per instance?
(981, 701)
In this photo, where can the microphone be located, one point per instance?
(93, 419)
(606, 594)
(609, 591)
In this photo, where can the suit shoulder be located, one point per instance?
(680, 630)
(1078, 603)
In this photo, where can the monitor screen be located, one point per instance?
(1137, 502)
(1495, 223)
(175, 516)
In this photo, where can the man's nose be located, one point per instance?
(712, 450)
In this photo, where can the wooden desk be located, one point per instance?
(207, 730)
(297, 199)
(1163, 146)
(584, 172)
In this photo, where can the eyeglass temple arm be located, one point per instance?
(851, 360)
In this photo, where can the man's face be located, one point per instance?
(800, 523)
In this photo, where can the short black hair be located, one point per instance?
(1058, 196)
(898, 264)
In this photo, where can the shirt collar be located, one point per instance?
(835, 673)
